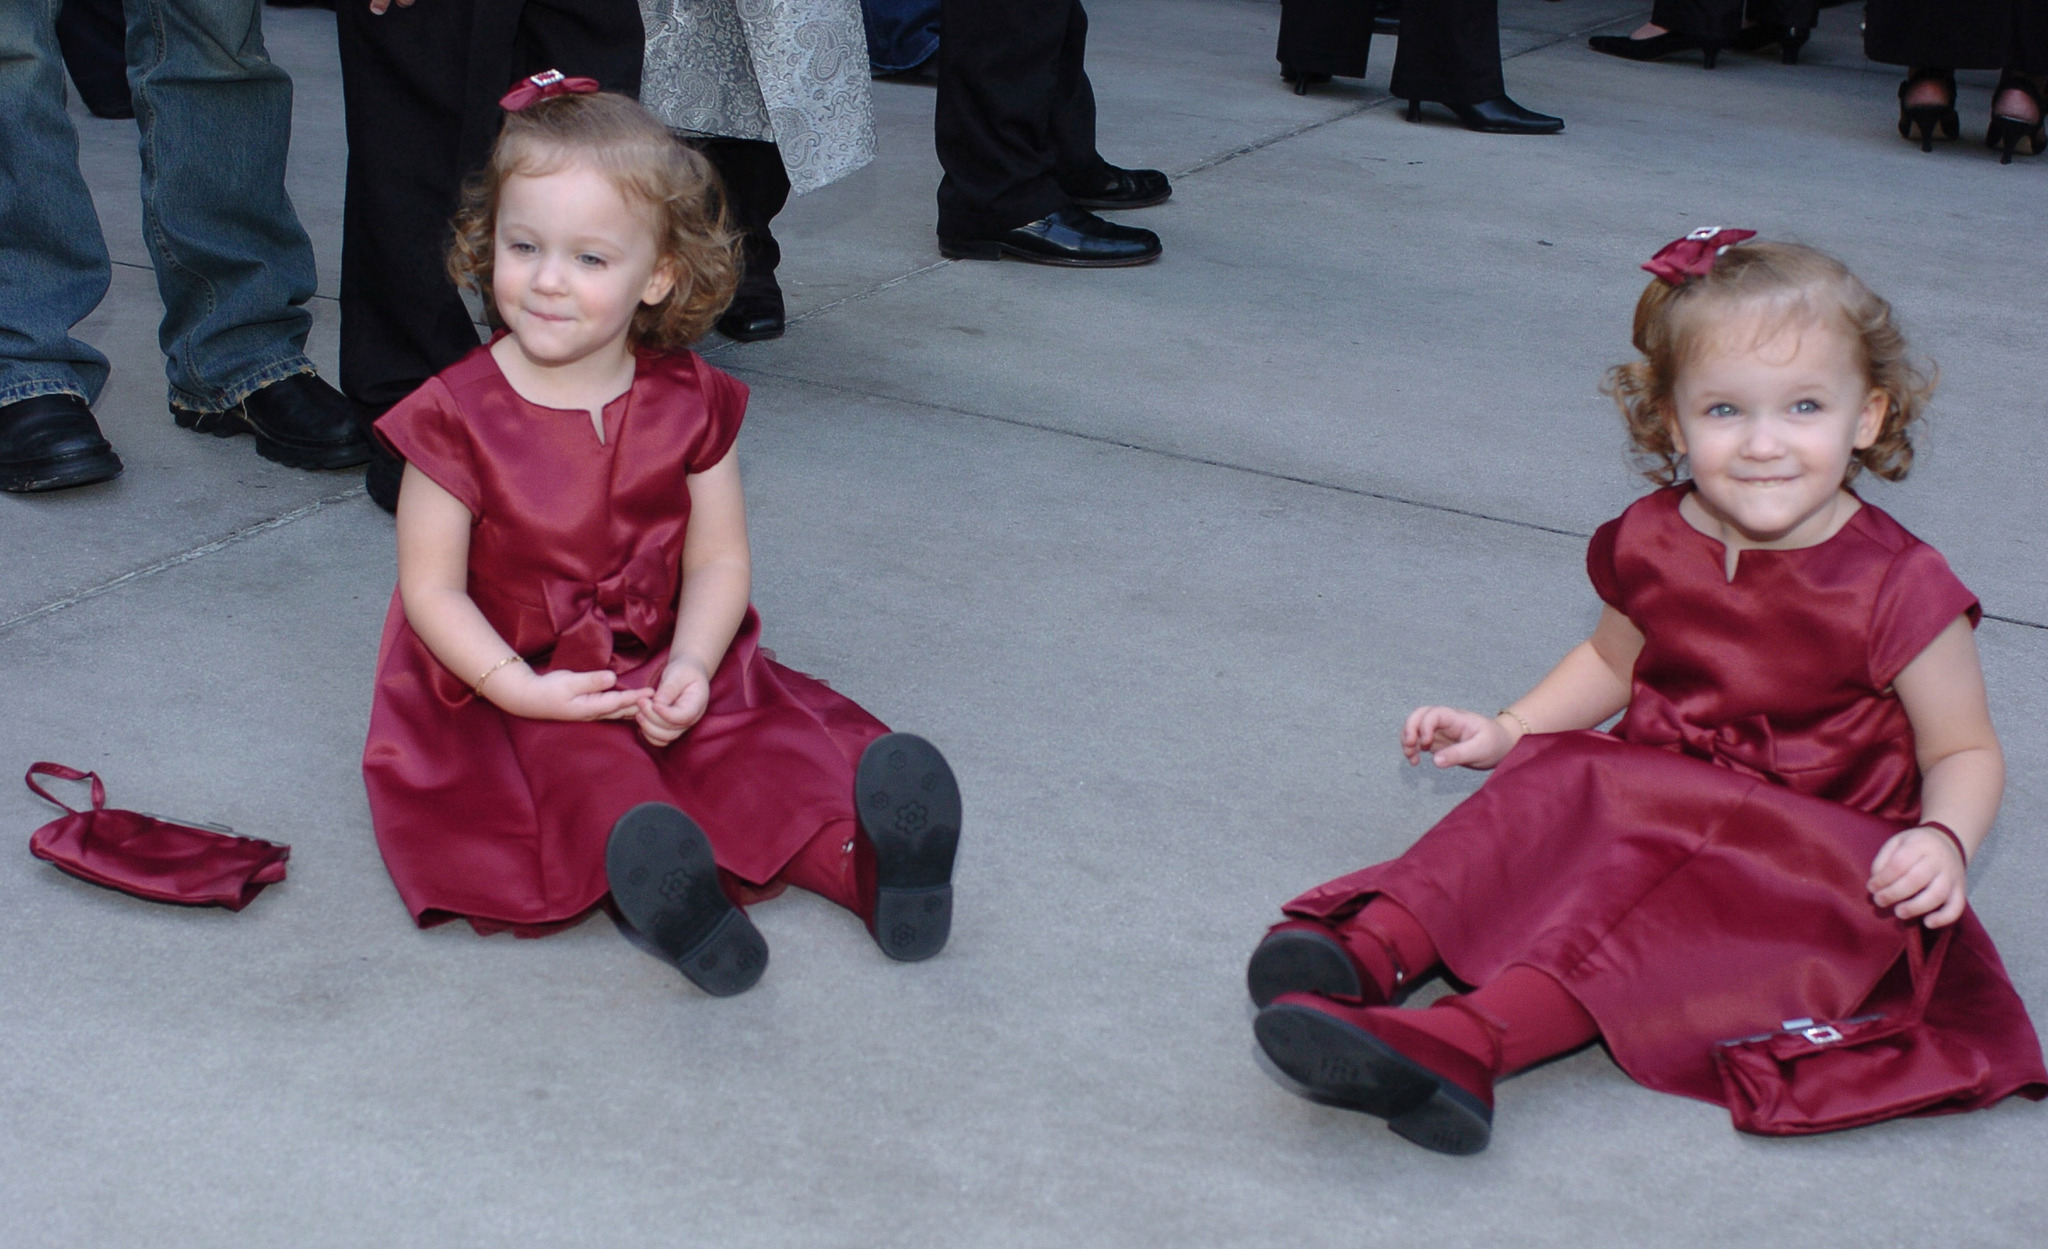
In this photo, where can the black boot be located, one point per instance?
(299, 422)
(50, 442)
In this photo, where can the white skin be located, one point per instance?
(573, 260)
(1768, 417)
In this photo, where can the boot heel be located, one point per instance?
(1710, 54)
(1452, 1121)
(1415, 110)
(1788, 47)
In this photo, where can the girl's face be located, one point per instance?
(1767, 417)
(573, 260)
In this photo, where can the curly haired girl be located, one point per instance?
(571, 701)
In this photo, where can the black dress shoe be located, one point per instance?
(1655, 48)
(756, 313)
(1119, 188)
(1499, 115)
(1072, 236)
(50, 442)
(300, 422)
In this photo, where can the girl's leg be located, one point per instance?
(1429, 1073)
(828, 866)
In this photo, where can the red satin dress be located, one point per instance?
(1698, 874)
(575, 558)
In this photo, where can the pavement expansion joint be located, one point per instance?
(201, 551)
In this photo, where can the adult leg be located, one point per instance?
(94, 36)
(1449, 52)
(53, 269)
(403, 88)
(998, 73)
(1000, 66)
(1087, 180)
(233, 264)
(756, 188)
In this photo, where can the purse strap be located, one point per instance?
(1923, 964)
(62, 773)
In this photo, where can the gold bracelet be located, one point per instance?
(490, 671)
(1510, 714)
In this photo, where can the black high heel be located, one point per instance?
(2007, 133)
(1655, 48)
(1499, 115)
(1926, 118)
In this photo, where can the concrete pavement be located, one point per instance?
(1160, 557)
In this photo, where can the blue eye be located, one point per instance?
(1722, 409)
(1806, 407)
(522, 248)
(590, 260)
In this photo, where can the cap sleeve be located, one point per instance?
(725, 406)
(1919, 598)
(426, 427)
(1600, 563)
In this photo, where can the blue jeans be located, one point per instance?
(233, 264)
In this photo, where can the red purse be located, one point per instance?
(1825, 1075)
(149, 856)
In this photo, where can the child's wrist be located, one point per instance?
(1955, 839)
(1511, 720)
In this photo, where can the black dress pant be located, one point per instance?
(1958, 34)
(93, 36)
(421, 87)
(756, 188)
(1016, 116)
(1449, 49)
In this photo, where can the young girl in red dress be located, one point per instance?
(1803, 767)
(571, 698)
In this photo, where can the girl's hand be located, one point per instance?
(562, 695)
(1919, 873)
(678, 702)
(1455, 737)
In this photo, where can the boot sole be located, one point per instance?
(232, 424)
(1349, 1067)
(665, 881)
(909, 808)
(1298, 961)
(962, 249)
(62, 473)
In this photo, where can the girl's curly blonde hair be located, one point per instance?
(1789, 284)
(651, 168)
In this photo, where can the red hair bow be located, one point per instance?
(1693, 256)
(545, 84)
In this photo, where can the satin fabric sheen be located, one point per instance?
(1698, 874)
(575, 558)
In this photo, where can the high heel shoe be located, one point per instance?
(1926, 118)
(1655, 48)
(2007, 133)
(1499, 115)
